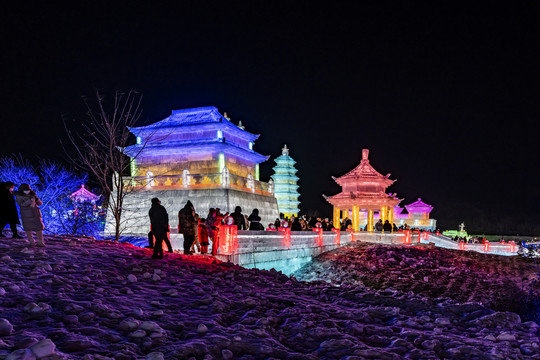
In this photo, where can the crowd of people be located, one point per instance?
(198, 232)
(29, 203)
(201, 234)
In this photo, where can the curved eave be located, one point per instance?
(286, 177)
(163, 131)
(184, 117)
(364, 179)
(418, 209)
(285, 159)
(209, 146)
(362, 200)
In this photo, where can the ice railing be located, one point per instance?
(199, 181)
(495, 248)
(231, 241)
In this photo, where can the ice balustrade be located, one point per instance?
(231, 241)
(199, 181)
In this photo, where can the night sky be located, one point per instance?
(446, 97)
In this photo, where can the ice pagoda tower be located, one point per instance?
(285, 187)
(198, 155)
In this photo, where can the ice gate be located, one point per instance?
(287, 251)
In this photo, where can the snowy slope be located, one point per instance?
(102, 300)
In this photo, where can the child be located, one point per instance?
(203, 236)
(196, 242)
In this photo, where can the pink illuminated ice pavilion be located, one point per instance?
(363, 194)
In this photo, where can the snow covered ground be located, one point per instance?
(88, 299)
(499, 282)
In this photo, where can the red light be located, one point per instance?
(336, 240)
(461, 245)
(351, 231)
(319, 232)
(228, 239)
(486, 246)
(407, 237)
(286, 237)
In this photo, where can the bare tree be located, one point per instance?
(99, 146)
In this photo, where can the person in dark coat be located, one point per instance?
(166, 239)
(186, 226)
(150, 240)
(159, 219)
(387, 227)
(255, 220)
(32, 220)
(325, 225)
(296, 225)
(8, 209)
(379, 226)
(239, 219)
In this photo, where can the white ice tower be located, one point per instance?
(285, 184)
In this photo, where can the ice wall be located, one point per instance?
(137, 204)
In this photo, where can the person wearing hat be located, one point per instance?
(159, 219)
(8, 209)
(31, 218)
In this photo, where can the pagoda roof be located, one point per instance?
(194, 119)
(398, 210)
(183, 147)
(364, 172)
(285, 159)
(366, 201)
(158, 138)
(419, 206)
(84, 195)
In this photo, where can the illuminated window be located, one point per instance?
(220, 134)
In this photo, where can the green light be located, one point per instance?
(132, 167)
(221, 161)
(257, 172)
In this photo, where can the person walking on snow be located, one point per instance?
(186, 225)
(32, 220)
(159, 219)
(8, 209)
(211, 223)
